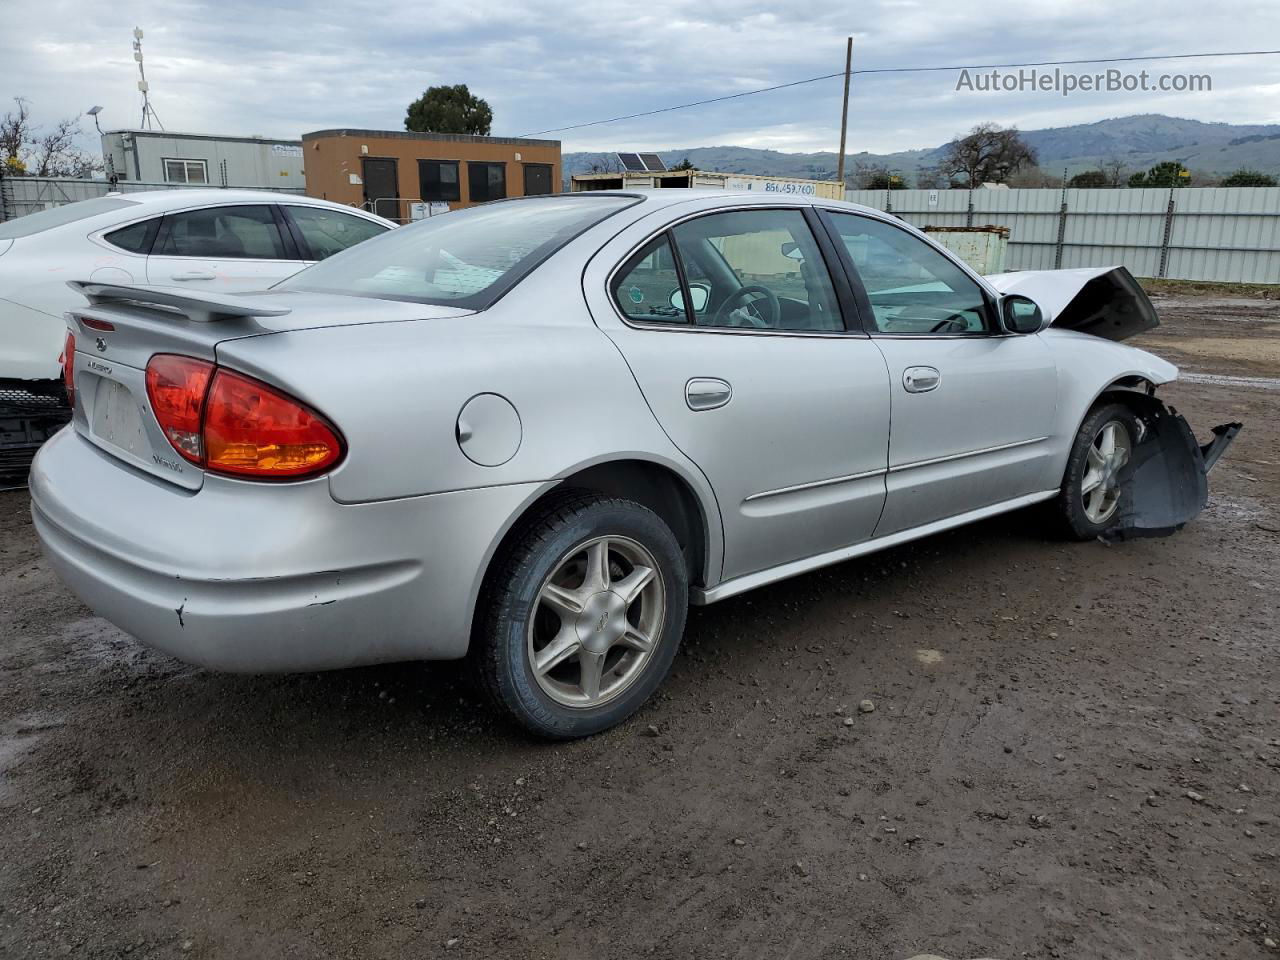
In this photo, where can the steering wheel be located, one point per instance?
(773, 321)
(946, 318)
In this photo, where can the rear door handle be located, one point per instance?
(707, 393)
(193, 275)
(921, 379)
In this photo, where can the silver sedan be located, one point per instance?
(532, 432)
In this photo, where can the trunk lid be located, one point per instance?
(124, 326)
(1106, 302)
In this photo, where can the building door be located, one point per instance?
(381, 186)
(537, 179)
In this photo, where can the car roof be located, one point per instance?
(654, 199)
(162, 200)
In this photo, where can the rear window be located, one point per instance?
(60, 216)
(468, 258)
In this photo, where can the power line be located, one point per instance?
(878, 70)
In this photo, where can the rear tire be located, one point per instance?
(1095, 486)
(581, 616)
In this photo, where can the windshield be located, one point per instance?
(60, 216)
(468, 258)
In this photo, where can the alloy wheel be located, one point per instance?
(596, 621)
(1100, 488)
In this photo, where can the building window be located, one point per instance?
(186, 171)
(537, 179)
(438, 180)
(486, 181)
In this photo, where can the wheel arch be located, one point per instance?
(686, 505)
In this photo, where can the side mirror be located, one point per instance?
(1021, 315)
(699, 293)
(792, 251)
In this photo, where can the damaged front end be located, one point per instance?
(1167, 478)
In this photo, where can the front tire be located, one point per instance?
(1095, 485)
(582, 615)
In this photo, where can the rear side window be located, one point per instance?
(327, 232)
(647, 288)
(135, 238)
(33, 223)
(468, 258)
(220, 233)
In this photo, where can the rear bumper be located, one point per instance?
(252, 577)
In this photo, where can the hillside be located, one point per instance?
(1141, 141)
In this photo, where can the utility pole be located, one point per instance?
(844, 113)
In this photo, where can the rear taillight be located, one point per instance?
(176, 387)
(251, 429)
(68, 360)
(229, 423)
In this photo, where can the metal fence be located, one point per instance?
(1225, 234)
(22, 195)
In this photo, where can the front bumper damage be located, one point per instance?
(1167, 480)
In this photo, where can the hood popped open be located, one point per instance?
(1106, 302)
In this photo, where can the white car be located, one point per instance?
(212, 240)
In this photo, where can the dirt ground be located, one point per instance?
(1074, 752)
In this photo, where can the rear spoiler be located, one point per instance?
(198, 305)
(1104, 301)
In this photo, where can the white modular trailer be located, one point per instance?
(708, 179)
(195, 159)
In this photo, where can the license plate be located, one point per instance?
(117, 420)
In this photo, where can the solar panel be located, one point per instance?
(632, 162)
(653, 162)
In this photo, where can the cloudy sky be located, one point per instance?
(282, 67)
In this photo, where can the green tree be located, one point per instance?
(1249, 178)
(449, 110)
(684, 164)
(1170, 173)
(1090, 178)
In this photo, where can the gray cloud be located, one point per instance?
(282, 68)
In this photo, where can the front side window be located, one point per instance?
(327, 232)
(647, 288)
(914, 290)
(467, 258)
(438, 181)
(757, 269)
(486, 181)
(218, 233)
(186, 171)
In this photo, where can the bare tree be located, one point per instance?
(1033, 176)
(27, 149)
(605, 163)
(1116, 171)
(15, 135)
(931, 178)
(987, 154)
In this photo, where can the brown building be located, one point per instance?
(405, 176)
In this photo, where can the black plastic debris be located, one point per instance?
(1168, 482)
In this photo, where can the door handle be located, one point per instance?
(921, 379)
(193, 275)
(707, 393)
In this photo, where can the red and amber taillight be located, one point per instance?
(229, 423)
(68, 360)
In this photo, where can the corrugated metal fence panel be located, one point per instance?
(1228, 234)
(23, 195)
(1237, 231)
